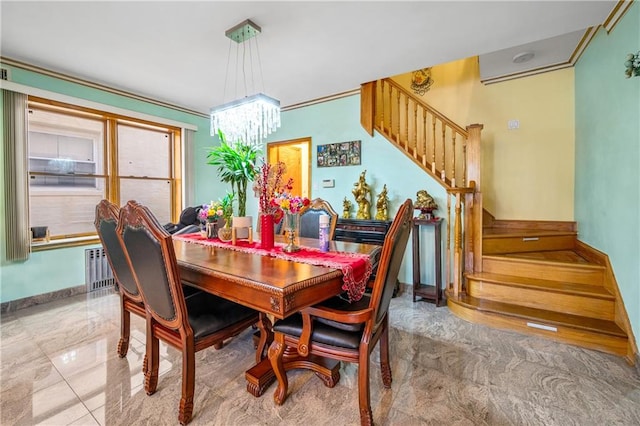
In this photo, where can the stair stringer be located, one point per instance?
(611, 284)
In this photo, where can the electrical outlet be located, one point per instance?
(513, 124)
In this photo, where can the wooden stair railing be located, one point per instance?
(443, 149)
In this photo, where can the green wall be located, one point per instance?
(329, 122)
(607, 184)
(339, 121)
(51, 270)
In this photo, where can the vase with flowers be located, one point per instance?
(216, 215)
(209, 216)
(291, 206)
(268, 184)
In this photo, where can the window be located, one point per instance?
(78, 156)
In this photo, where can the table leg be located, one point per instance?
(266, 337)
(261, 376)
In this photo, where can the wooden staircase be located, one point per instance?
(530, 276)
(537, 279)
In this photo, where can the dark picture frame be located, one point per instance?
(339, 154)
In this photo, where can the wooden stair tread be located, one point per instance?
(540, 315)
(554, 255)
(551, 258)
(544, 285)
(522, 232)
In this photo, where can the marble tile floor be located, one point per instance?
(60, 367)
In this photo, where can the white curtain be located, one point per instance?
(16, 185)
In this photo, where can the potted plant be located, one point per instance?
(236, 165)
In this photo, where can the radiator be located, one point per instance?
(97, 271)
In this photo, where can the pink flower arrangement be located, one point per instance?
(223, 208)
(268, 184)
(290, 203)
(211, 212)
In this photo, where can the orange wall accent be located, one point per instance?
(527, 173)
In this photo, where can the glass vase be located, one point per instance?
(266, 231)
(212, 229)
(291, 223)
(225, 234)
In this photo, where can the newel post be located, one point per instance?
(473, 206)
(367, 105)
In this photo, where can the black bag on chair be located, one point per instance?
(189, 216)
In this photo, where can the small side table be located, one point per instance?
(430, 292)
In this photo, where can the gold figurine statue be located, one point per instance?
(362, 193)
(346, 208)
(382, 212)
(426, 204)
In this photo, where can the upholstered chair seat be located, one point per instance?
(205, 321)
(344, 331)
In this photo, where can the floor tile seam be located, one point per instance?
(424, 416)
(70, 404)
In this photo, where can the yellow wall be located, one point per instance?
(528, 173)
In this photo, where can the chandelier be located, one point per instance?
(252, 118)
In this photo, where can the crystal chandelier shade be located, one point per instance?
(252, 118)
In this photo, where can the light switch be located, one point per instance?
(328, 183)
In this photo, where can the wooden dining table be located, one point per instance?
(277, 288)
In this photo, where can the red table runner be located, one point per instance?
(355, 267)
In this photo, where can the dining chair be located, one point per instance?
(345, 331)
(189, 324)
(106, 222)
(310, 219)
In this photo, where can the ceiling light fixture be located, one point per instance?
(523, 57)
(252, 118)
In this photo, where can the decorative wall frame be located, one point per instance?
(339, 154)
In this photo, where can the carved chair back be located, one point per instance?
(310, 219)
(150, 250)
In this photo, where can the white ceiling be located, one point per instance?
(177, 52)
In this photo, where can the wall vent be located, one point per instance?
(97, 271)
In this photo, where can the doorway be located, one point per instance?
(296, 155)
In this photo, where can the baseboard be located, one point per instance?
(14, 305)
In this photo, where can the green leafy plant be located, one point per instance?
(236, 165)
(226, 205)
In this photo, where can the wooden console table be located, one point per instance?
(362, 231)
(431, 292)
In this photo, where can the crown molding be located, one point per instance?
(28, 67)
(616, 14)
